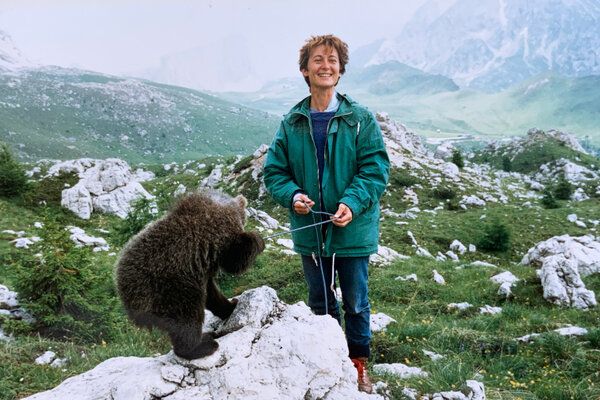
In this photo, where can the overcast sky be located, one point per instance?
(124, 36)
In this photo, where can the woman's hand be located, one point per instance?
(299, 205)
(343, 215)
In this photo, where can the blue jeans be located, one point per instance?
(352, 273)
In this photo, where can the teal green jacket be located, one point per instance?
(355, 173)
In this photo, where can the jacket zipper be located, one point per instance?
(317, 159)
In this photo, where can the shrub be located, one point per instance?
(563, 189)
(506, 164)
(444, 193)
(142, 212)
(548, 200)
(457, 158)
(48, 191)
(69, 298)
(13, 180)
(496, 236)
(403, 180)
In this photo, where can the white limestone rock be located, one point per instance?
(8, 299)
(285, 351)
(574, 173)
(79, 200)
(181, 189)
(438, 278)
(398, 136)
(22, 243)
(482, 264)
(380, 321)
(106, 186)
(215, 176)
(412, 238)
(59, 362)
(386, 256)
(285, 243)
(400, 370)
(450, 170)
(472, 200)
(474, 390)
(411, 277)
(505, 277)
(424, 252)
(433, 355)
(563, 285)
(584, 250)
(579, 195)
(263, 218)
(118, 201)
(444, 151)
(457, 246)
(581, 224)
(571, 331)
(505, 289)
(79, 237)
(487, 309)
(460, 306)
(45, 358)
(411, 197)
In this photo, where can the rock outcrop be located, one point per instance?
(562, 260)
(267, 350)
(107, 186)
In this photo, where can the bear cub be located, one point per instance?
(165, 275)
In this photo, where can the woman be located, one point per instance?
(328, 156)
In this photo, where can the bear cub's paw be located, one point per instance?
(207, 346)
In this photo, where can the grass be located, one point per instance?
(474, 346)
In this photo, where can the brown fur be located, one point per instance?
(165, 274)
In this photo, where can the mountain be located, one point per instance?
(492, 45)
(54, 112)
(208, 67)
(11, 57)
(392, 78)
(432, 105)
(396, 78)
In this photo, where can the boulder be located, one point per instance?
(106, 186)
(400, 370)
(380, 321)
(563, 285)
(267, 350)
(473, 390)
(263, 218)
(457, 246)
(444, 151)
(385, 256)
(584, 250)
(574, 173)
(215, 176)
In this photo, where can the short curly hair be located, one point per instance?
(330, 41)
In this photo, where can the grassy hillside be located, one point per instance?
(527, 157)
(475, 346)
(64, 114)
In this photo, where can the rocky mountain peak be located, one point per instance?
(11, 57)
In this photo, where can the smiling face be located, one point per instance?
(323, 68)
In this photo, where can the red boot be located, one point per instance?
(364, 384)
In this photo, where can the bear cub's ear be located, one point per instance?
(241, 200)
